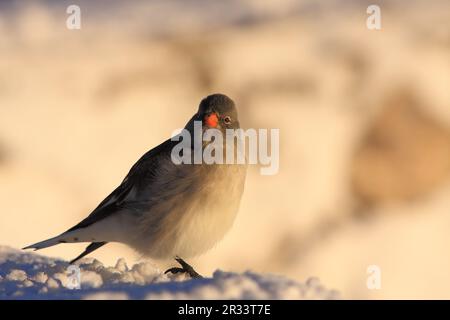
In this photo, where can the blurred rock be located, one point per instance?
(405, 153)
(3, 154)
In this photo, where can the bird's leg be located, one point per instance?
(185, 268)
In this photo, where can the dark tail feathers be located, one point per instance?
(92, 247)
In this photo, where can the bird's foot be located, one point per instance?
(185, 268)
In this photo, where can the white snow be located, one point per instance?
(26, 275)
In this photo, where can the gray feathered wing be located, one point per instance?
(139, 177)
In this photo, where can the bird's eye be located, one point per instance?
(227, 120)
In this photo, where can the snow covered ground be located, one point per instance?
(31, 276)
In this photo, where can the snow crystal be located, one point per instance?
(121, 265)
(16, 275)
(52, 283)
(40, 277)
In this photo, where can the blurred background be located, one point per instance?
(364, 119)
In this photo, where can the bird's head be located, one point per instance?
(217, 111)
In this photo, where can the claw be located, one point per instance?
(174, 270)
(185, 268)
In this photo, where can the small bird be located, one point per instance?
(165, 210)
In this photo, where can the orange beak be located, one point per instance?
(211, 120)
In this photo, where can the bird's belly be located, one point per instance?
(195, 222)
(202, 230)
(192, 230)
